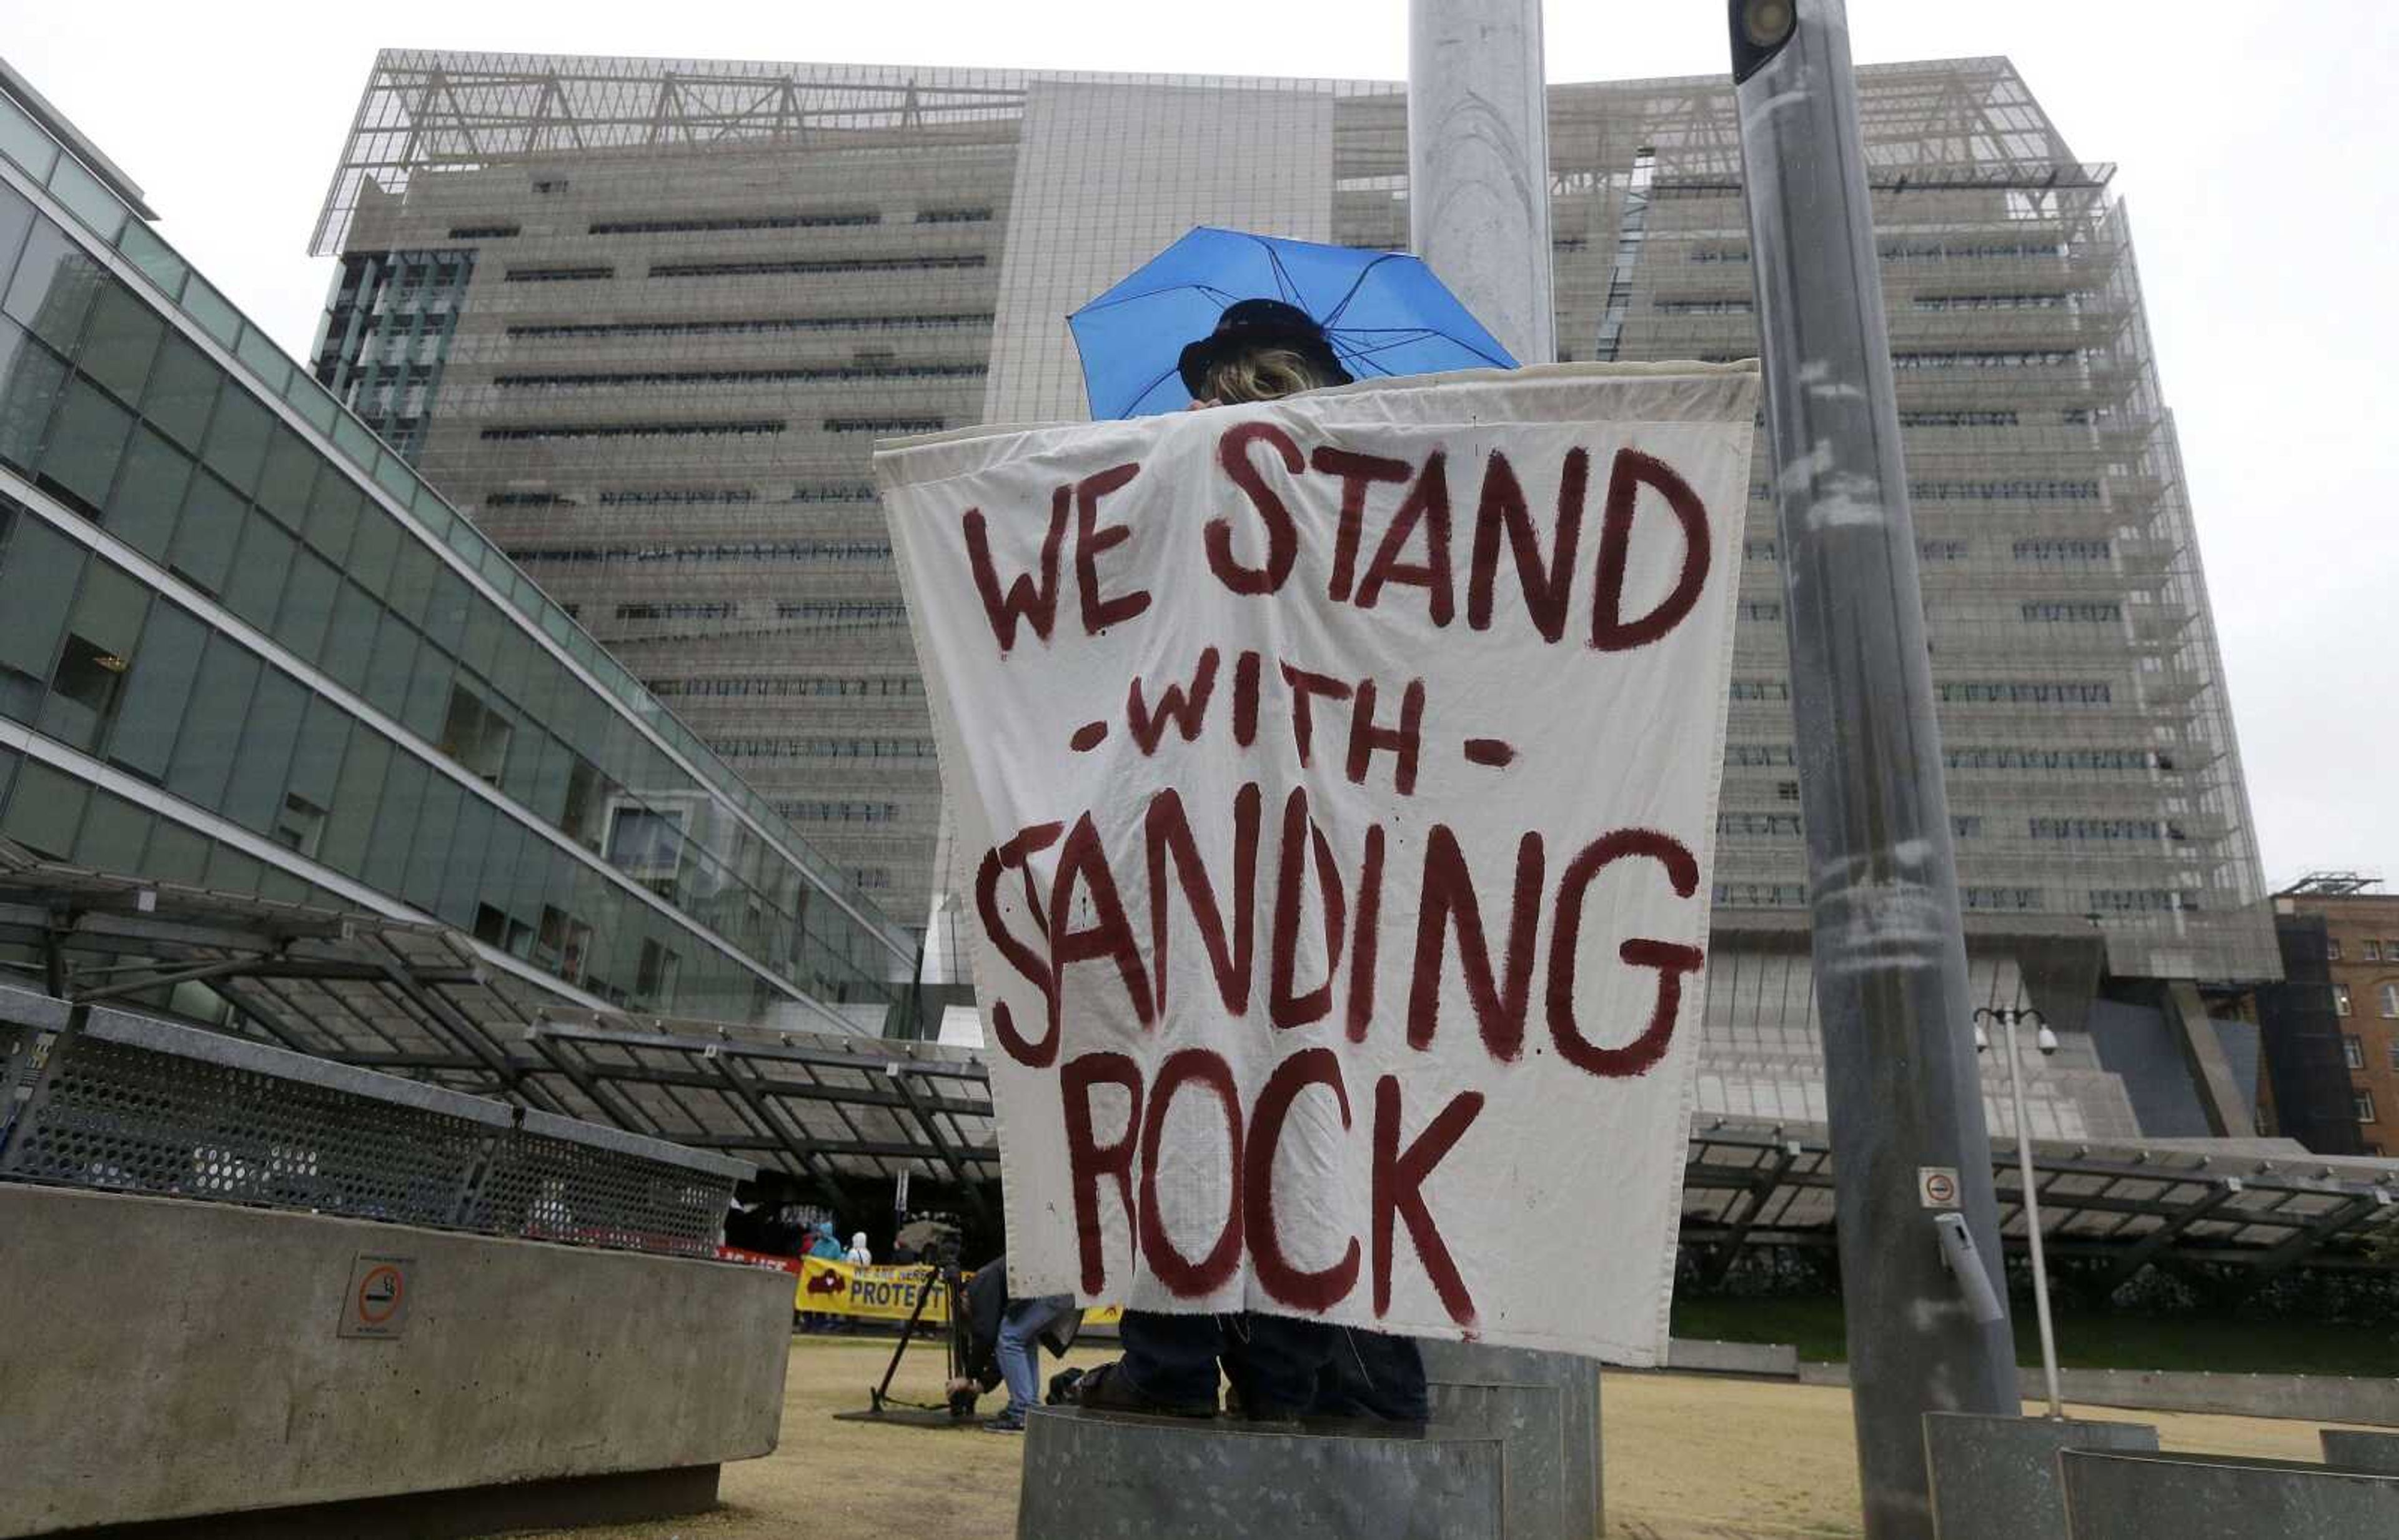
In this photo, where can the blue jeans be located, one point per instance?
(1020, 1349)
(1278, 1365)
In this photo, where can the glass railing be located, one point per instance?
(93, 203)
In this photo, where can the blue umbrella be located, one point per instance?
(1383, 312)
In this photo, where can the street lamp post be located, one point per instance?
(2009, 1017)
(1919, 1275)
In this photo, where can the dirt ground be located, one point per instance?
(1685, 1458)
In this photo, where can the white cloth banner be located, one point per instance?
(1336, 787)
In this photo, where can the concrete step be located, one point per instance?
(2216, 1497)
(1093, 1476)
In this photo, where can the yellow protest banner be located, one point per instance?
(871, 1293)
(884, 1293)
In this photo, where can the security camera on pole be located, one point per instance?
(1918, 1218)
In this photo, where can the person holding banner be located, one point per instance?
(823, 1248)
(1280, 1368)
(1340, 769)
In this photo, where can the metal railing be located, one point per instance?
(109, 1100)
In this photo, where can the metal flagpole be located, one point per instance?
(1918, 1224)
(1478, 216)
(1478, 164)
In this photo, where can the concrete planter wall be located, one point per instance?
(163, 1358)
(2309, 1398)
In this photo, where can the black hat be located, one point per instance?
(1248, 324)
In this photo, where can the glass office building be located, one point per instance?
(243, 647)
(643, 320)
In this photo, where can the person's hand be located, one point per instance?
(961, 1386)
(1202, 406)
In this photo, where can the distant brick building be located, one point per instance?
(2332, 1029)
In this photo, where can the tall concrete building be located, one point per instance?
(644, 318)
(245, 648)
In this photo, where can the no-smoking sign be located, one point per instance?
(1936, 1187)
(376, 1303)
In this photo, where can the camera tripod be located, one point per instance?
(960, 1407)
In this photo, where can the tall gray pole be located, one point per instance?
(1901, 1086)
(1478, 216)
(1478, 164)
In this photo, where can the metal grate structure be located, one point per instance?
(111, 1100)
(556, 1179)
(415, 1000)
(681, 1104)
(147, 1106)
(2262, 1211)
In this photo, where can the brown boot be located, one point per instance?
(1107, 1390)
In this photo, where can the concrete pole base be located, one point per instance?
(1553, 1488)
(2216, 1497)
(1091, 1476)
(2354, 1449)
(1996, 1478)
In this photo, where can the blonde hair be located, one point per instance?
(1262, 374)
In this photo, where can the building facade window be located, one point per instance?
(2065, 552)
(1954, 418)
(2145, 900)
(2041, 691)
(743, 428)
(558, 275)
(2097, 829)
(912, 321)
(2365, 1106)
(2352, 1052)
(244, 473)
(2004, 491)
(701, 226)
(2065, 759)
(2340, 999)
(653, 379)
(743, 551)
(2390, 1000)
(2084, 613)
(1762, 895)
(885, 425)
(798, 266)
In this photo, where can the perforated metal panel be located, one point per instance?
(115, 1115)
(137, 1105)
(18, 1044)
(552, 1182)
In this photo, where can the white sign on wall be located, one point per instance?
(1340, 777)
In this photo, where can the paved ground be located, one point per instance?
(1687, 1459)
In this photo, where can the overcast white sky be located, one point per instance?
(2255, 142)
